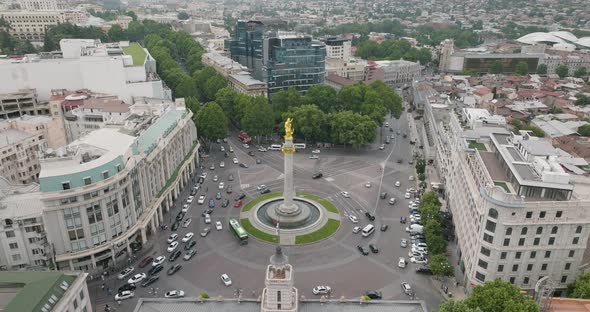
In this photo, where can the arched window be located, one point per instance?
(509, 231)
(524, 230)
(493, 213)
(540, 230)
(579, 229)
(554, 230)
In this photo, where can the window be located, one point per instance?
(529, 214)
(576, 240)
(517, 255)
(118, 167)
(491, 226)
(480, 277)
(10, 234)
(503, 255)
(512, 279)
(81, 294)
(16, 257)
(544, 267)
(521, 241)
(551, 240)
(105, 174)
(65, 185)
(564, 279)
(485, 251)
(87, 180)
(542, 214)
(75, 304)
(554, 230)
(579, 229)
(506, 241)
(493, 213)
(514, 267)
(13, 245)
(548, 254)
(568, 266)
(558, 214)
(529, 267)
(525, 281)
(482, 264)
(509, 231)
(501, 268)
(571, 253)
(524, 231)
(540, 230)
(488, 238)
(536, 241)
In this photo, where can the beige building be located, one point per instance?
(40, 5)
(32, 25)
(93, 114)
(237, 76)
(22, 102)
(353, 69)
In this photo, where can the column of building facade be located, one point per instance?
(128, 245)
(143, 235)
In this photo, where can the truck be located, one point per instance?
(244, 137)
(415, 229)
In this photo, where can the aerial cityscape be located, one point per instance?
(228, 155)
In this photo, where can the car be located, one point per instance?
(231, 149)
(225, 203)
(174, 294)
(211, 203)
(407, 195)
(419, 249)
(180, 216)
(150, 280)
(374, 295)
(222, 148)
(201, 200)
(398, 184)
(158, 260)
(205, 231)
(422, 245)
(384, 227)
(174, 256)
(175, 226)
(190, 199)
(221, 185)
(218, 195)
(208, 211)
(265, 191)
(225, 279)
(147, 260)
(218, 225)
(363, 251)
(387, 140)
(203, 175)
(424, 270)
(235, 160)
(383, 195)
(356, 229)
(172, 247)
(406, 288)
(345, 194)
(172, 238)
(212, 167)
(187, 237)
(185, 208)
(222, 164)
(317, 175)
(392, 201)
(207, 219)
(398, 132)
(419, 260)
(399, 161)
(413, 253)
(411, 162)
(373, 248)
(405, 135)
(127, 294)
(368, 184)
(174, 269)
(321, 290)
(401, 262)
(411, 178)
(186, 222)
(238, 204)
(382, 147)
(314, 156)
(240, 196)
(126, 287)
(315, 151)
(403, 243)
(189, 254)
(193, 192)
(258, 161)
(243, 165)
(215, 178)
(390, 129)
(126, 272)
(246, 145)
(229, 189)
(190, 244)
(261, 187)
(136, 278)
(370, 216)
(230, 177)
(353, 219)
(386, 124)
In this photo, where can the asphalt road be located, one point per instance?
(335, 262)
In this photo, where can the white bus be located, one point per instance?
(275, 147)
(368, 230)
(299, 145)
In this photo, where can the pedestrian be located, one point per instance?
(102, 277)
(102, 286)
(119, 302)
(107, 308)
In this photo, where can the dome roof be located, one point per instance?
(539, 37)
(565, 35)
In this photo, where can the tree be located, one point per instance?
(183, 16)
(351, 97)
(580, 288)
(582, 99)
(226, 98)
(500, 296)
(116, 33)
(456, 306)
(542, 69)
(285, 99)
(310, 122)
(440, 266)
(213, 84)
(581, 72)
(258, 118)
(562, 71)
(186, 88)
(391, 100)
(584, 131)
(521, 69)
(132, 15)
(352, 128)
(323, 96)
(211, 122)
(193, 105)
(496, 67)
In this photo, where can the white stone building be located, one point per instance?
(398, 72)
(93, 114)
(338, 48)
(40, 5)
(573, 62)
(32, 25)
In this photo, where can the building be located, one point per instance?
(338, 48)
(103, 194)
(281, 59)
(518, 204)
(32, 25)
(394, 73)
(573, 62)
(94, 113)
(40, 5)
(353, 69)
(44, 292)
(21, 102)
(121, 69)
(237, 75)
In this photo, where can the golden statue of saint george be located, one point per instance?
(289, 129)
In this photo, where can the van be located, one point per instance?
(368, 230)
(275, 147)
(299, 145)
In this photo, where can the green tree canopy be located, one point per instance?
(116, 33)
(352, 128)
(542, 69)
(521, 69)
(212, 86)
(496, 67)
(562, 71)
(582, 99)
(500, 296)
(440, 265)
(226, 98)
(581, 287)
(323, 96)
(283, 100)
(581, 72)
(456, 306)
(186, 88)
(310, 122)
(257, 117)
(211, 122)
(584, 131)
(183, 16)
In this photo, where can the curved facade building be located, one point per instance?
(105, 193)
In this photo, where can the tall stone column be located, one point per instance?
(288, 207)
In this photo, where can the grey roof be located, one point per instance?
(12, 136)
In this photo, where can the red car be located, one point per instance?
(147, 260)
(238, 204)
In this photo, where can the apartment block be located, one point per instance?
(40, 5)
(32, 25)
(338, 48)
(237, 76)
(21, 102)
(92, 114)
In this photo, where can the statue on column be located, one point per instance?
(289, 129)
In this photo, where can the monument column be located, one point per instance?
(288, 207)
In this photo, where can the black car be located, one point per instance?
(373, 248)
(190, 244)
(207, 212)
(174, 255)
(264, 191)
(174, 269)
(383, 195)
(424, 270)
(240, 196)
(384, 227)
(251, 153)
(373, 294)
(201, 180)
(229, 190)
(399, 161)
(402, 220)
(370, 216)
(193, 192)
(390, 129)
(225, 203)
(180, 216)
(155, 269)
(150, 280)
(362, 250)
(317, 175)
(175, 226)
(243, 165)
(127, 287)
(230, 177)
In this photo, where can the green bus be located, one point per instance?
(238, 231)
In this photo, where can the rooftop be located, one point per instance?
(247, 79)
(31, 291)
(136, 52)
(19, 201)
(111, 105)
(12, 136)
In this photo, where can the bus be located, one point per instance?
(299, 145)
(239, 231)
(244, 137)
(274, 147)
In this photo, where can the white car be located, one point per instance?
(203, 174)
(126, 294)
(218, 225)
(314, 156)
(174, 294)
(186, 222)
(225, 279)
(353, 219)
(221, 185)
(190, 199)
(222, 164)
(356, 229)
(398, 184)
(345, 194)
(382, 147)
(215, 178)
(386, 124)
(172, 238)
(159, 260)
(172, 247)
(407, 195)
(403, 243)
(315, 151)
(261, 187)
(246, 145)
(321, 290)
(188, 237)
(137, 278)
(222, 148)
(418, 260)
(411, 178)
(407, 288)
(185, 207)
(235, 160)
(125, 273)
(392, 201)
(207, 219)
(368, 184)
(402, 262)
(262, 149)
(201, 200)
